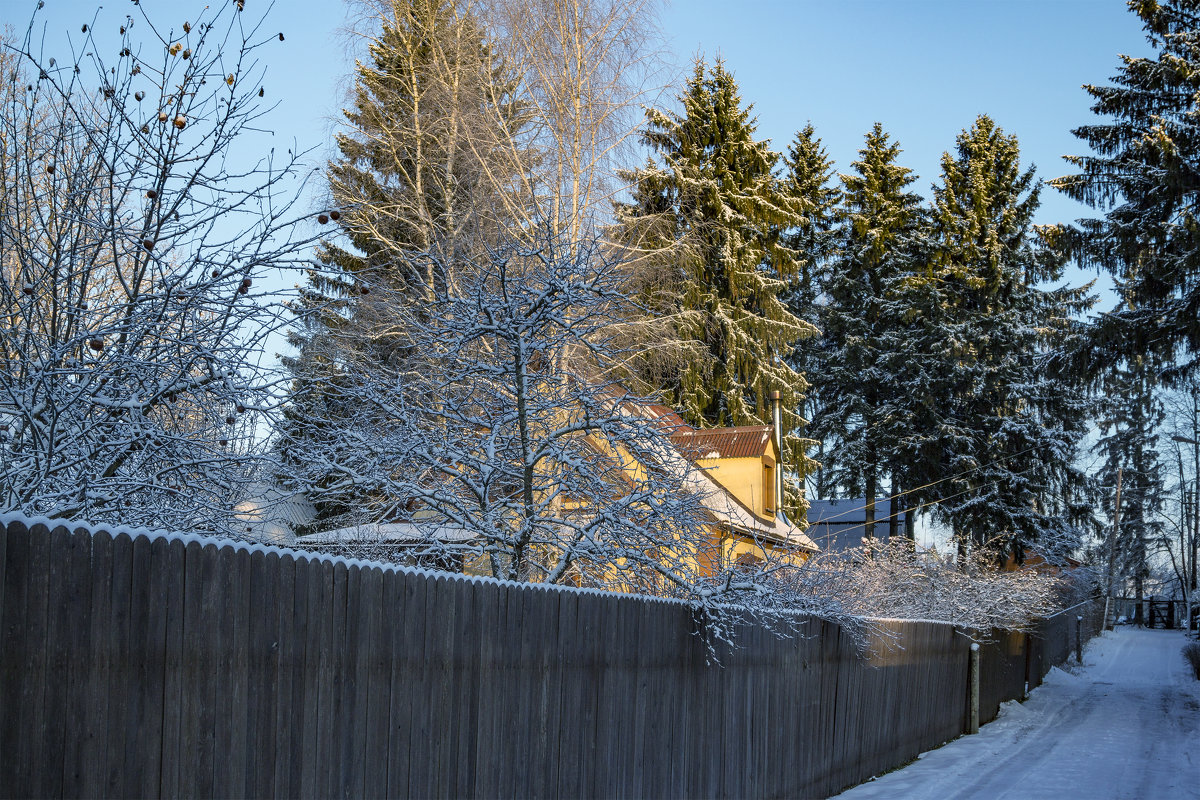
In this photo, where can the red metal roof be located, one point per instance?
(666, 416)
(747, 441)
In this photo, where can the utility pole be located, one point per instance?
(1112, 552)
(1190, 525)
(1195, 506)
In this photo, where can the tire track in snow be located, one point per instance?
(1125, 727)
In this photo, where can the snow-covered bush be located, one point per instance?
(1191, 652)
(139, 211)
(893, 579)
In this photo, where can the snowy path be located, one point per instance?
(1126, 725)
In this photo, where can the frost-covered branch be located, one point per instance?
(492, 437)
(891, 579)
(138, 216)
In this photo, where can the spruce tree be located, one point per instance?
(808, 184)
(1143, 175)
(866, 381)
(713, 215)
(1131, 415)
(1009, 428)
(426, 163)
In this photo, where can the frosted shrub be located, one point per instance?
(1191, 652)
(896, 580)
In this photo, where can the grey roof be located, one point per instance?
(837, 525)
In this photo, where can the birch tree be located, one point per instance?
(1180, 530)
(585, 69)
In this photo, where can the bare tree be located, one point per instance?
(475, 446)
(427, 162)
(137, 216)
(532, 104)
(1180, 537)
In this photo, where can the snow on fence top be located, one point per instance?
(75, 526)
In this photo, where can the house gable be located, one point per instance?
(741, 460)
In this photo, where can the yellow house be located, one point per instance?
(741, 469)
(733, 472)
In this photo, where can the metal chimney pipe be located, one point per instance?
(777, 424)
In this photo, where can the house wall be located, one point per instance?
(743, 477)
(735, 547)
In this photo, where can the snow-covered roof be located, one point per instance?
(399, 533)
(666, 415)
(273, 515)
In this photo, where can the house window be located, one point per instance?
(769, 488)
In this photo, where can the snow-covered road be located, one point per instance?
(1125, 725)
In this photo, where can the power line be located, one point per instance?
(935, 483)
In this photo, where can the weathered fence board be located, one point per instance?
(154, 666)
(58, 658)
(74, 677)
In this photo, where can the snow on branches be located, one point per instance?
(892, 579)
(486, 433)
(133, 235)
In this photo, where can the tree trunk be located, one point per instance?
(1139, 592)
(869, 526)
(893, 516)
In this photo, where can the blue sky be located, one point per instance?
(924, 68)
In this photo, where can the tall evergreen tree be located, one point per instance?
(428, 154)
(866, 380)
(1009, 428)
(1131, 415)
(809, 186)
(1145, 174)
(712, 216)
(425, 167)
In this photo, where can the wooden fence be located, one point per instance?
(173, 666)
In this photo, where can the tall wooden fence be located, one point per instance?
(172, 666)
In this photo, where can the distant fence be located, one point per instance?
(172, 666)
(1012, 663)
